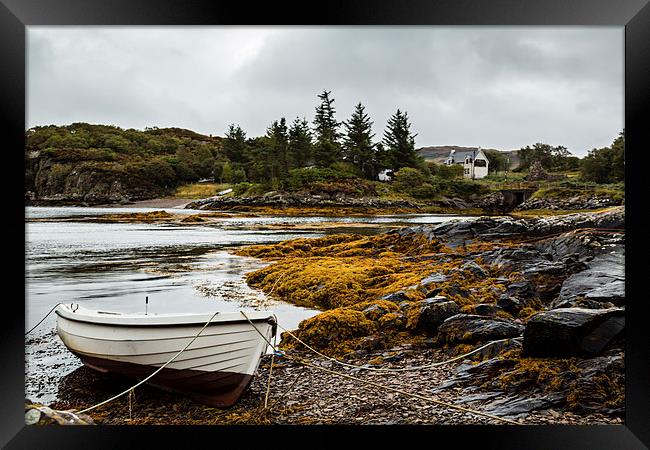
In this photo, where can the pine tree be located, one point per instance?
(399, 143)
(277, 155)
(234, 145)
(300, 143)
(327, 149)
(358, 147)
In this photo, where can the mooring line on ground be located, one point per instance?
(383, 386)
(41, 321)
(400, 369)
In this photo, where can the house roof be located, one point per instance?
(460, 155)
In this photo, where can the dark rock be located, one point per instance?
(509, 304)
(433, 293)
(433, 278)
(602, 281)
(517, 296)
(479, 373)
(396, 297)
(434, 311)
(521, 289)
(515, 406)
(474, 269)
(478, 397)
(588, 390)
(572, 331)
(471, 328)
(484, 309)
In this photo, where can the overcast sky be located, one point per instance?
(495, 87)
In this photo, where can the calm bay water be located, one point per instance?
(179, 267)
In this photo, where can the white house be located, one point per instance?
(475, 162)
(385, 175)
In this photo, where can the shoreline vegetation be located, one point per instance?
(551, 288)
(306, 164)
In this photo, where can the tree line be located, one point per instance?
(348, 146)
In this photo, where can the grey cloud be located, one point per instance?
(502, 87)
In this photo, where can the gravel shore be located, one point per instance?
(298, 394)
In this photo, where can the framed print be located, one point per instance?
(365, 218)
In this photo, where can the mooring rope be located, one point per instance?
(386, 387)
(268, 384)
(400, 369)
(154, 373)
(41, 321)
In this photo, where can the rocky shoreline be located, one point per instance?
(549, 289)
(302, 203)
(555, 282)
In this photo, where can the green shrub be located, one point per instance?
(241, 188)
(299, 178)
(425, 191)
(407, 179)
(447, 172)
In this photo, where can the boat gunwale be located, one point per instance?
(89, 320)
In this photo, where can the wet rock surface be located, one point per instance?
(485, 228)
(602, 283)
(300, 199)
(573, 202)
(572, 331)
(468, 328)
(433, 312)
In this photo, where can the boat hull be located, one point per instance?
(219, 389)
(215, 369)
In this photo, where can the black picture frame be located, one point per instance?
(634, 15)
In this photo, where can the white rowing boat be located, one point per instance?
(215, 369)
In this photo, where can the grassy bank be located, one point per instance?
(200, 190)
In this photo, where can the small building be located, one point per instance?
(475, 162)
(385, 175)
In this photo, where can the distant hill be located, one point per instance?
(439, 153)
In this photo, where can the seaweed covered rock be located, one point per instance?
(470, 328)
(374, 310)
(332, 330)
(432, 280)
(515, 386)
(600, 387)
(194, 218)
(428, 314)
(572, 331)
(474, 269)
(517, 296)
(486, 309)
